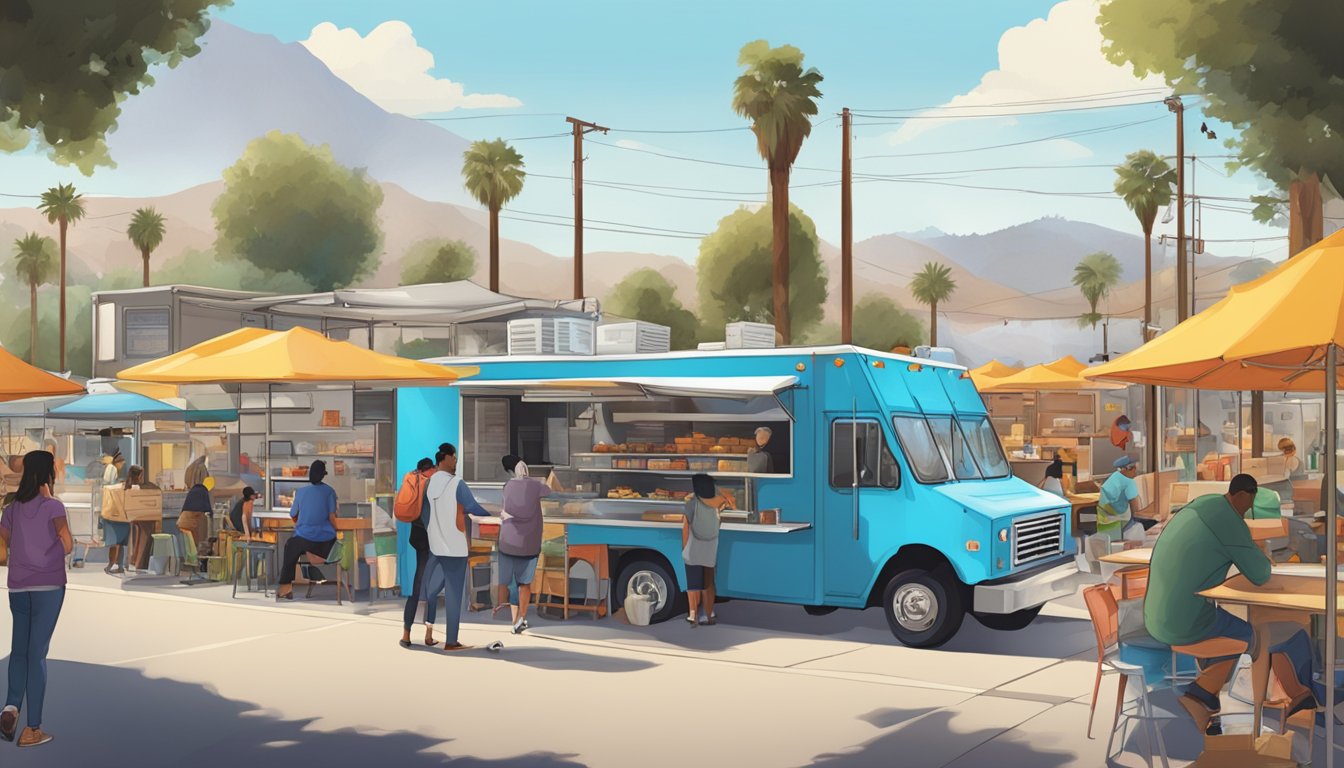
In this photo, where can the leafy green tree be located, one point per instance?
(67, 66)
(493, 172)
(733, 276)
(1095, 276)
(146, 232)
(1270, 68)
(931, 286)
(1145, 182)
(34, 262)
(438, 260)
(288, 206)
(881, 324)
(780, 98)
(62, 206)
(646, 295)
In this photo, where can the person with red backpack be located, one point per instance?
(411, 506)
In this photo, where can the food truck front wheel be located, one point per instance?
(924, 608)
(649, 575)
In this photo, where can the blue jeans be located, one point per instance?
(448, 575)
(1297, 648)
(35, 615)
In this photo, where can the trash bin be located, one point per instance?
(639, 609)
(387, 571)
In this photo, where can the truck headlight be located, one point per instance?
(1003, 535)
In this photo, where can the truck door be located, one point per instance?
(860, 489)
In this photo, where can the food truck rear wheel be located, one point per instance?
(924, 608)
(819, 610)
(1008, 621)
(647, 576)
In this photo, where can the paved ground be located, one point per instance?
(150, 673)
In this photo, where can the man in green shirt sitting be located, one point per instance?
(1194, 553)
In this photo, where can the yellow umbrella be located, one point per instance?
(19, 380)
(1064, 374)
(259, 356)
(1279, 332)
(988, 374)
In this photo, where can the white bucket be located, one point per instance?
(639, 609)
(387, 571)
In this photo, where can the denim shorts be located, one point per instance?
(695, 576)
(516, 569)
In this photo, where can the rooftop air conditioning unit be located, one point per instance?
(710, 346)
(637, 338)
(749, 336)
(551, 336)
(939, 354)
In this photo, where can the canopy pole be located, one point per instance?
(1331, 547)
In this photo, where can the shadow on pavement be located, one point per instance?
(560, 660)
(918, 746)
(113, 716)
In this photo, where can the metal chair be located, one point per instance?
(1105, 614)
(192, 559)
(85, 529)
(252, 553)
(333, 558)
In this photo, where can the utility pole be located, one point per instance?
(580, 127)
(1182, 287)
(846, 235)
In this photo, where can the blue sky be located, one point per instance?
(670, 66)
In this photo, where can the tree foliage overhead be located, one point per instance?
(733, 276)
(1271, 68)
(779, 97)
(1145, 182)
(438, 260)
(1095, 276)
(289, 206)
(66, 66)
(881, 324)
(646, 295)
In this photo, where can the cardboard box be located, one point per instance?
(1272, 750)
(143, 504)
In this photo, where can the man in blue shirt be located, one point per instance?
(1119, 499)
(314, 513)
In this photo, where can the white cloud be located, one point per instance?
(393, 71)
(1052, 58)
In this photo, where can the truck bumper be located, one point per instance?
(1026, 590)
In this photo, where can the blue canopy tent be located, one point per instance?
(128, 405)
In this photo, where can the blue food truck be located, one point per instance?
(857, 479)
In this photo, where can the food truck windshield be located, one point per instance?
(639, 448)
(943, 448)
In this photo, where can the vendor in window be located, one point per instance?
(759, 461)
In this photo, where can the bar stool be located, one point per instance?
(1213, 648)
(251, 553)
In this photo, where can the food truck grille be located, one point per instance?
(1037, 537)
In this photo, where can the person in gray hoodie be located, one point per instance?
(519, 540)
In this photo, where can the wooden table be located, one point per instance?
(1283, 598)
(1080, 501)
(1133, 573)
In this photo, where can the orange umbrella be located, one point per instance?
(19, 380)
(1064, 374)
(988, 374)
(259, 356)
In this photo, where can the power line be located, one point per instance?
(490, 117)
(1051, 100)
(569, 218)
(678, 157)
(688, 130)
(600, 229)
(543, 136)
(1065, 135)
(884, 119)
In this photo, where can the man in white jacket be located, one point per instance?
(450, 501)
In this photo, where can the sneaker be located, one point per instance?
(520, 627)
(34, 737)
(9, 722)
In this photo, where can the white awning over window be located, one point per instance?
(626, 387)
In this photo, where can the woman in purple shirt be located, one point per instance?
(35, 529)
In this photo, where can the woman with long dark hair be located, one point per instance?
(35, 529)
(700, 547)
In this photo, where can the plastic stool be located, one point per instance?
(164, 548)
(250, 553)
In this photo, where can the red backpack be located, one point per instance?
(410, 499)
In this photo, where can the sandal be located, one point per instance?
(9, 723)
(455, 647)
(431, 642)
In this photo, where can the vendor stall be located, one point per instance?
(301, 398)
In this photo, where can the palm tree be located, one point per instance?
(1145, 181)
(493, 173)
(780, 98)
(33, 263)
(146, 233)
(62, 205)
(931, 285)
(1095, 276)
